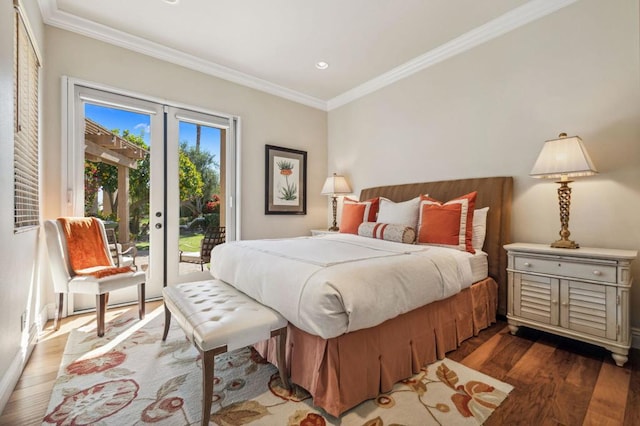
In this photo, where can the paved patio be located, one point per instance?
(142, 262)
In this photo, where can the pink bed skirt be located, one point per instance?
(343, 371)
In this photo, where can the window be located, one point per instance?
(25, 97)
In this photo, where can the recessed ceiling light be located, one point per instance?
(322, 65)
(171, 1)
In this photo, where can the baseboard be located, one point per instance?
(635, 337)
(48, 312)
(13, 373)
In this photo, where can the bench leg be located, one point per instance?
(208, 361)
(280, 356)
(167, 322)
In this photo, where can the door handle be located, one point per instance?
(158, 225)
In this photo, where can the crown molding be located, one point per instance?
(51, 15)
(509, 21)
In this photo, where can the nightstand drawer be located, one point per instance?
(564, 268)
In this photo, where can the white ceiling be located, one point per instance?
(273, 45)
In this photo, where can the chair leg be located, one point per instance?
(101, 306)
(208, 361)
(58, 314)
(167, 322)
(141, 301)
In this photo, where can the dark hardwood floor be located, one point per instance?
(556, 381)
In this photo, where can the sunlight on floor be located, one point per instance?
(87, 321)
(122, 336)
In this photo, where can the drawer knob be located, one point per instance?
(596, 272)
(554, 302)
(564, 303)
(527, 264)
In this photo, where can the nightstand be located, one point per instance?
(315, 232)
(582, 294)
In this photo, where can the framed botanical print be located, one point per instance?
(285, 181)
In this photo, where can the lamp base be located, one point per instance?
(565, 244)
(564, 199)
(334, 229)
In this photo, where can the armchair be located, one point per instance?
(98, 279)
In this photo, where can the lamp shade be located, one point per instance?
(563, 158)
(335, 185)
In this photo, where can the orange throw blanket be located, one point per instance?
(86, 248)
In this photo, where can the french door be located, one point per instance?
(212, 151)
(152, 171)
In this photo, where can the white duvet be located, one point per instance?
(333, 284)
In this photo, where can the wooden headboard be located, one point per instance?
(493, 192)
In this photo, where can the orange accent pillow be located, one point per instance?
(371, 207)
(352, 217)
(447, 224)
(443, 224)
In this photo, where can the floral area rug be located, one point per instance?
(131, 377)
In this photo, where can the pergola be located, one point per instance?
(101, 145)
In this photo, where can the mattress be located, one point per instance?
(338, 283)
(479, 264)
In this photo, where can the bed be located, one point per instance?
(343, 367)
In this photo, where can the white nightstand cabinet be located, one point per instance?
(582, 294)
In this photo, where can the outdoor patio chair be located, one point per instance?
(211, 239)
(121, 257)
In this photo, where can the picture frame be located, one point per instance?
(285, 189)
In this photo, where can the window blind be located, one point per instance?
(25, 155)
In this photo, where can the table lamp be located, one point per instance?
(563, 158)
(334, 186)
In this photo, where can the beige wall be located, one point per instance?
(488, 111)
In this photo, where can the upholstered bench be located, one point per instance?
(218, 318)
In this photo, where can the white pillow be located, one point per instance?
(479, 228)
(404, 213)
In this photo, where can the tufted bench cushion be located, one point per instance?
(218, 318)
(214, 314)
